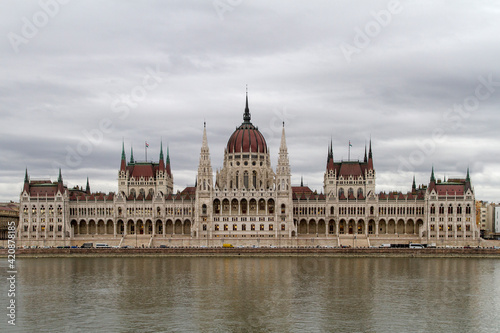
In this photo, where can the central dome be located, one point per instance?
(247, 137)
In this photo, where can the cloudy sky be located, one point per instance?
(421, 78)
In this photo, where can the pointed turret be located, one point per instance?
(302, 181)
(26, 182)
(467, 180)
(123, 164)
(414, 185)
(329, 161)
(60, 186)
(205, 175)
(283, 174)
(132, 155)
(87, 189)
(161, 166)
(366, 158)
(370, 157)
(168, 163)
(246, 114)
(432, 183)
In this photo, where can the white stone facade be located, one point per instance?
(250, 203)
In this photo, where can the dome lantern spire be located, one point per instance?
(246, 115)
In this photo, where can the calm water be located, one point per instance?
(290, 294)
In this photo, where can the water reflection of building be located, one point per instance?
(248, 203)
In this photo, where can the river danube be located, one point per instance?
(255, 294)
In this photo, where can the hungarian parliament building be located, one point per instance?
(247, 203)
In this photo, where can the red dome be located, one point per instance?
(247, 138)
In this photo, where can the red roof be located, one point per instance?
(142, 170)
(444, 189)
(43, 190)
(247, 137)
(191, 190)
(350, 169)
(301, 190)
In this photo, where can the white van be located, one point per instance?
(416, 246)
(102, 246)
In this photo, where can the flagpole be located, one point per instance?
(146, 149)
(349, 155)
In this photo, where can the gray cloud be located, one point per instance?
(397, 90)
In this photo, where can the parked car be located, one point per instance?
(87, 245)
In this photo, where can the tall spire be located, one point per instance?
(246, 115)
(123, 150)
(168, 162)
(370, 152)
(205, 175)
(26, 181)
(87, 189)
(60, 186)
(370, 157)
(161, 150)
(302, 181)
(283, 173)
(132, 155)
(283, 147)
(123, 164)
(433, 179)
(329, 161)
(414, 185)
(467, 180)
(366, 159)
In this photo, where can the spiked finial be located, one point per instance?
(366, 159)
(59, 179)
(26, 179)
(414, 185)
(467, 179)
(246, 115)
(433, 179)
(168, 156)
(132, 155)
(301, 181)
